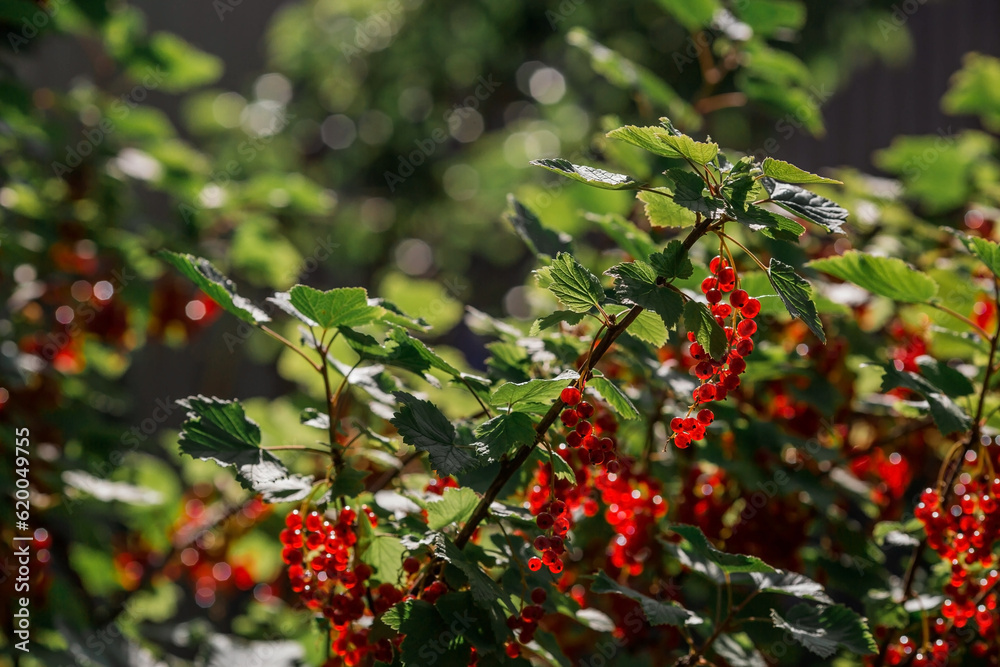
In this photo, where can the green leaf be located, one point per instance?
(383, 553)
(780, 170)
(423, 426)
(672, 263)
(454, 508)
(629, 238)
(730, 563)
(799, 201)
(689, 192)
(825, 629)
(783, 582)
(532, 391)
(539, 238)
(767, 17)
(695, 15)
(484, 590)
(593, 176)
(636, 283)
(505, 433)
(554, 318)
(220, 288)
(656, 612)
(738, 650)
(949, 380)
(796, 293)
(987, 251)
(614, 397)
(427, 639)
(647, 327)
(576, 287)
(646, 138)
(886, 276)
(343, 307)
(698, 152)
(948, 416)
(708, 333)
(220, 431)
(975, 89)
(394, 315)
(180, 65)
(349, 482)
(662, 211)
(756, 218)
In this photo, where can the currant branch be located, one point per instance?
(508, 467)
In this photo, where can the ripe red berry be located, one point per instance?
(573, 439)
(727, 276)
(411, 565)
(569, 418)
(584, 428)
(682, 441)
(534, 563)
(706, 416)
(746, 328)
(713, 296)
(751, 308)
(570, 396)
(717, 264)
(738, 298)
(544, 520)
(585, 410)
(294, 519)
(512, 650)
(708, 284)
(744, 347)
(614, 467)
(538, 596)
(676, 424)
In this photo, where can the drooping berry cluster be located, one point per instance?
(319, 556)
(718, 377)
(962, 532)
(526, 623)
(592, 444)
(634, 503)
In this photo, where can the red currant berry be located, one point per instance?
(676, 424)
(538, 596)
(534, 564)
(717, 264)
(746, 328)
(713, 296)
(738, 298)
(682, 441)
(708, 284)
(727, 275)
(751, 309)
(570, 396)
(706, 416)
(544, 520)
(585, 410)
(569, 418)
(573, 439)
(584, 428)
(744, 347)
(411, 565)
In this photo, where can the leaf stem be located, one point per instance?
(287, 343)
(945, 309)
(744, 249)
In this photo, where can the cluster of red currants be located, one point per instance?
(634, 503)
(319, 555)
(962, 533)
(583, 434)
(718, 376)
(526, 623)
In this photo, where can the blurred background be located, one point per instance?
(354, 142)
